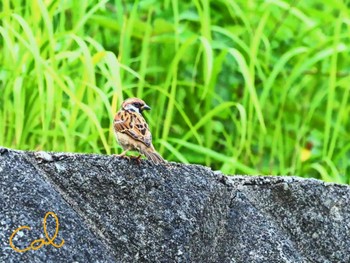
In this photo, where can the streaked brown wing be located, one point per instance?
(134, 125)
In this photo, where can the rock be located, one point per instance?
(113, 210)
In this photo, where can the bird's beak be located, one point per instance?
(145, 107)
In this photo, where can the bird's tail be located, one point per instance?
(154, 157)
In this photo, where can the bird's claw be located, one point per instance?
(122, 156)
(137, 159)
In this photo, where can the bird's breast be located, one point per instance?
(127, 142)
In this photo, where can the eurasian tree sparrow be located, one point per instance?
(132, 132)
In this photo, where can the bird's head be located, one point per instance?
(135, 105)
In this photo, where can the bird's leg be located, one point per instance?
(122, 155)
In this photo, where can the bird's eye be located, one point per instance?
(137, 105)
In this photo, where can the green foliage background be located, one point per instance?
(252, 87)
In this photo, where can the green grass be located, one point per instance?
(257, 87)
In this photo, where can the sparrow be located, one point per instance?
(132, 132)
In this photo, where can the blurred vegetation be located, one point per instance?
(252, 87)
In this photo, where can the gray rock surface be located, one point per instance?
(113, 210)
